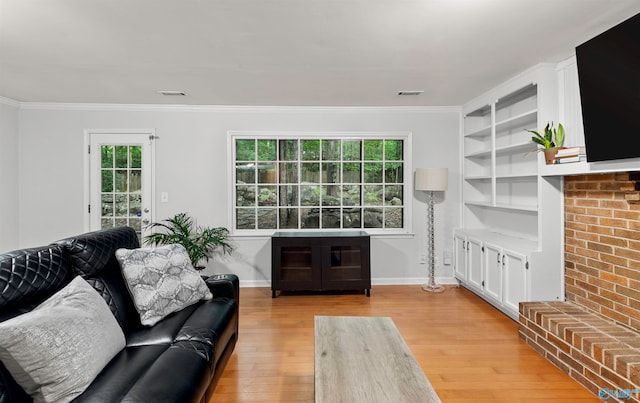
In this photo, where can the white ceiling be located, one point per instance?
(285, 52)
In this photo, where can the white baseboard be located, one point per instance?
(374, 281)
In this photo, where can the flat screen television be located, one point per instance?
(609, 80)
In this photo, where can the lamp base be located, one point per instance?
(432, 287)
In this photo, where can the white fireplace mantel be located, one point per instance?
(583, 167)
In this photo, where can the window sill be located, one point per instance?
(267, 235)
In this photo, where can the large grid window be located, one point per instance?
(318, 183)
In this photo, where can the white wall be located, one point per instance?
(191, 165)
(9, 117)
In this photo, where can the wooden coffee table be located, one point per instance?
(365, 359)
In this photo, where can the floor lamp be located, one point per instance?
(431, 180)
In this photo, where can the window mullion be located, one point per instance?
(299, 192)
(278, 174)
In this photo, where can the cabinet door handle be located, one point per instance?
(503, 260)
(498, 258)
(467, 245)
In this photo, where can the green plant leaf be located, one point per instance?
(538, 140)
(560, 135)
(551, 138)
(199, 242)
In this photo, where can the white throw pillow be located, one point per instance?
(55, 351)
(161, 281)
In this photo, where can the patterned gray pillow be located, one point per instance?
(55, 351)
(161, 280)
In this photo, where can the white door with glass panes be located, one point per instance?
(120, 180)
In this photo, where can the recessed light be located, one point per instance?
(414, 92)
(173, 93)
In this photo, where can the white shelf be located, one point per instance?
(502, 206)
(483, 132)
(518, 121)
(483, 111)
(477, 178)
(479, 154)
(524, 146)
(523, 176)
(517, 207)
(478, 203)
(528, 91)
(508, 177)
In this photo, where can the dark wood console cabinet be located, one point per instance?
(320, 261)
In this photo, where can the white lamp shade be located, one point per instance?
(431, 179)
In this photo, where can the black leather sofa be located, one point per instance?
(179, 359)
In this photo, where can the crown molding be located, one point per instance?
(230, 108)
(10, 102)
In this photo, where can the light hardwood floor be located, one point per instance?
(469, 351)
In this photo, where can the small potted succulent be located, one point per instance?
(199, 242)
(551, 139)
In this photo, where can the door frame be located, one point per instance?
(151, 133)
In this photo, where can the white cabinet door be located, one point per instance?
(474, 263)
(460, 257)
(493, 268)
(515, 278)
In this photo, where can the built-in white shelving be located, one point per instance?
(509, 209)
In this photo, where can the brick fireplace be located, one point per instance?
(602, 245)
(594, 336)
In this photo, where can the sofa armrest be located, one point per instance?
(224, 285)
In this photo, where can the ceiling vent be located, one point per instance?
(173, 93)
(410, 92)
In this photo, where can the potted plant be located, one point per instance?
(199, 242)
(550, 141)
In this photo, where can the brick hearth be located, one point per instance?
(594, 336)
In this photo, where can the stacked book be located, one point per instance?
(570, 154)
